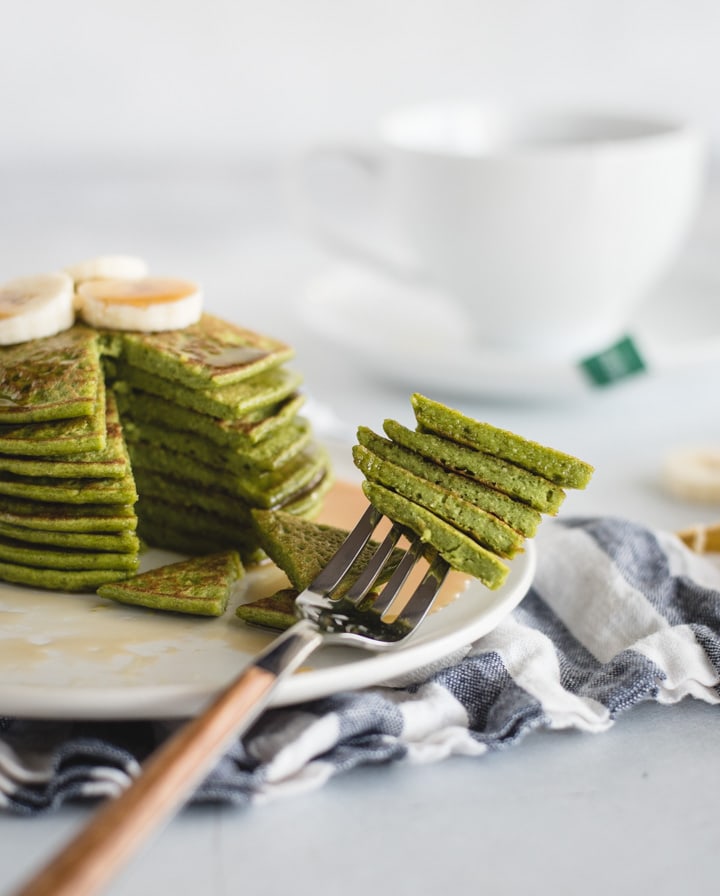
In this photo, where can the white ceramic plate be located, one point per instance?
(416, 337)
(77, 656)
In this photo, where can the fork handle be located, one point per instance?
(120, 826)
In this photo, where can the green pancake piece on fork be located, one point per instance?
(521, 517)
(301, 547)
(485, 528)
(461, 552)
(538, 492)
(276, 611)
(560, 468)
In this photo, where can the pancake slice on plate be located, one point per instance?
(201, 585)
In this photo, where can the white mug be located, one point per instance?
(547, 229)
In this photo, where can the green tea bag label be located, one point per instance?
(615, 363)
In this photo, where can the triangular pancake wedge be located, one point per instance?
(200, 586)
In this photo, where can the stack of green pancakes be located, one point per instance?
(172, 437)
(67, 495)
(211, 418)
(472, 491)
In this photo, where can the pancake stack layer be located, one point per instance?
(67, 519)
(211, 418)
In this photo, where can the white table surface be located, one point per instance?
(631, 810)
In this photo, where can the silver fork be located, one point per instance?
(358, 618)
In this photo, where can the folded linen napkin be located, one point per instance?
(617, 614)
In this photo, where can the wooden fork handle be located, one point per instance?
(121, 825)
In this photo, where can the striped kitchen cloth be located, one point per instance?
(617, 614)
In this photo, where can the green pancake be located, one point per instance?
(173, 489)
(308, 502)
(562, 469)
(162, 513)
(521, 517)
(459, 550)
(200, 586)
(269, 489)
(271, 454)
(528, 487)
(235, 511)
(49, 557)
(58, 579)
(125, 541)
(70, 491)
(244, 433)
(50, 379)
(231, 402)
(51, 517)
(211, 352)
(485, 528)
(57, 438)
(300, 547)
(276, 611)
(194, 543)
(110, 462)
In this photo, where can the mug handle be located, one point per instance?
(348, 211)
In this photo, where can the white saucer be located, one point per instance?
(416, 337)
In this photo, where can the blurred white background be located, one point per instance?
(169, 79)
(170, 128)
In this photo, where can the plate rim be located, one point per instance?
(135, 702)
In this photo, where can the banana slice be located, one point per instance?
(33, 307)
(702, 538)
(108, 267)
(693, 474)
(147, 304)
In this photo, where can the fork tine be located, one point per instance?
(398, 578)
(330, 576)
(374, 567)
(424, 595)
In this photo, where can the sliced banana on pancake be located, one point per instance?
(147, 304)
(108, 267)
(693, 474)
(34, 307)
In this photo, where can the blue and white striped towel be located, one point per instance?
(617, 614)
